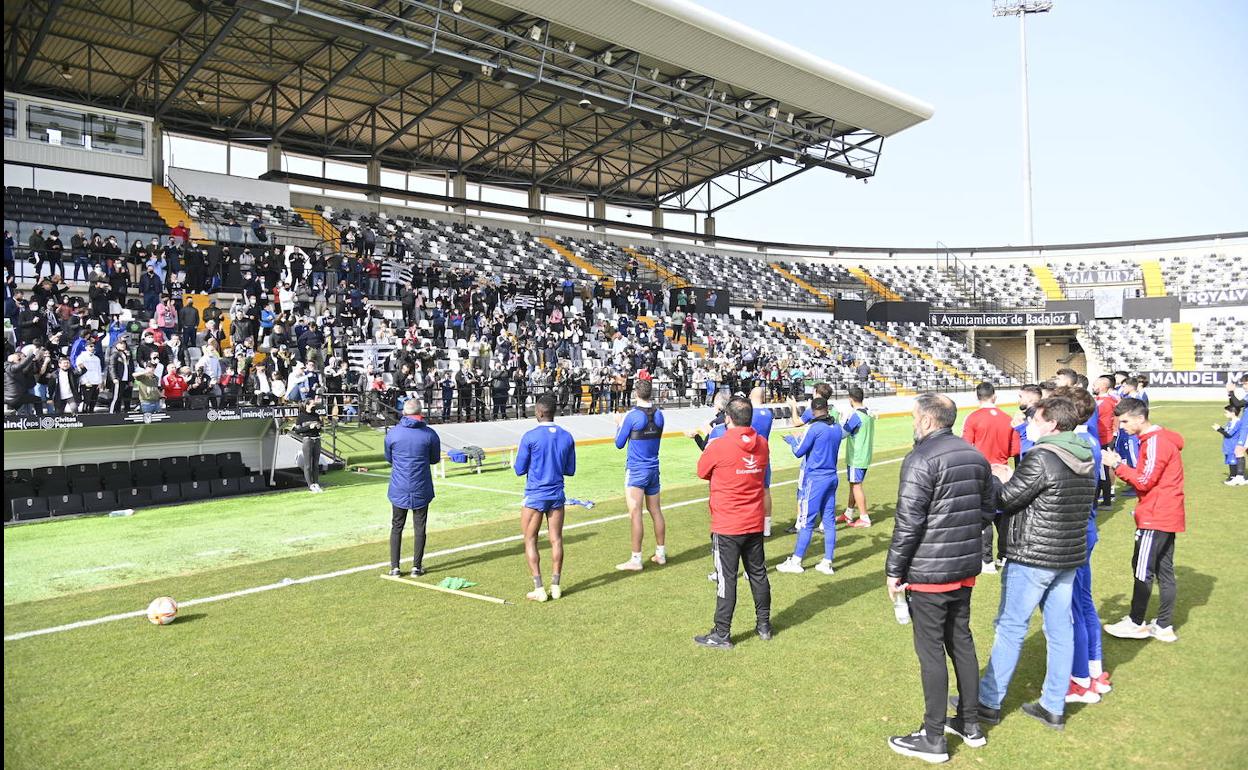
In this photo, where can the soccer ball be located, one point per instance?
(162, 610)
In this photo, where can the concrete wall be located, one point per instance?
(57, 180)
(230, 188)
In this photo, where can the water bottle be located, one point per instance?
(122, 512)
(901, 607)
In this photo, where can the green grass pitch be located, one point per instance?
(354, 671)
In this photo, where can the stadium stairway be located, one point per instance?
(874, 284)
(1154, 282)
(1048, 282)
(320, 225)
(897, 387)
(573, 259)
(824, 298)
(668, 277)
(1182, 345)
(171, 211)
(694, 347)
(912, 350)
(1093, 361)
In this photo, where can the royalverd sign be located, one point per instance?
(1017, 320)
(1216, 297)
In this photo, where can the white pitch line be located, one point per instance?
(440, 483)
(94, 569)
(301, 538)
(354, 570)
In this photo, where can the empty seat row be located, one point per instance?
(33, 507)
(86, 478)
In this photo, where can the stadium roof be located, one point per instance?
(641, 102)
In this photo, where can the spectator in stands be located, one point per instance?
(90, 371)
(63, 387)
(10, 256)
(121, 375)
(188, 320)
(180, 232)
(78, 250)
(863, 371)
(258, 229)
(174, 387)
(19, 380)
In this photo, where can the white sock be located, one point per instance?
(766, 523)
(1094, 668)
(849, 512)
(636, 556)
(660, 551)
(1082, 681)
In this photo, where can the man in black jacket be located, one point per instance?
(944, 498)
(1049, 498)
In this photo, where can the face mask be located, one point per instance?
(1034, 434)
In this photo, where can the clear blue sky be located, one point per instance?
(1139, 122)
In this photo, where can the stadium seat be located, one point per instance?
(66, 505)
(16, 489)
(253, 482)
(195, 490)
(115, 468)
(24, 474)
(147, 473)
(27, 508)
(223, 487)
(51, 480)
(161, 494)
(84, 485)
(176, 469)
(231, 464)
(204, 467)
(98, 502)
(133, 497)
(119, 481)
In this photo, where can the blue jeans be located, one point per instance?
(149, 407)
(1024, 588)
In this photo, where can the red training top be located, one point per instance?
(736, 465)
(1158, 478)
(1105, 417)
(988, 429)
(940, 588)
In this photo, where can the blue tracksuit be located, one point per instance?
(761, 423)
(1087, 621)
(547, 453)
(1234, 433)
(642, 430)
(816, 491)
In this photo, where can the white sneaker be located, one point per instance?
(825, 567)
(1161, 634)
(1128, 629)
(317, 488)
(536, 595)
(989, 568)
(659, 560)
(713, 577)
(1239, 481)
(555, 591)
(312, 488)
(791, 565)
(632, 565)
(1232, 482)
(819, 529)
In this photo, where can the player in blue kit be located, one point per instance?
(546, 455)
(798, 418)
(761, 423)
(816, 502)
(641, 430)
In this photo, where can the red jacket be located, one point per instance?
(175, 386)
(1105, 418)
(1158, 478)
(988, 429)
(736, 465)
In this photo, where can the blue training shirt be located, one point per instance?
(761, 422)
(643, 452)
(547, 453)
(819, 447)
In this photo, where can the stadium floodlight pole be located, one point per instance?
(1021, 8)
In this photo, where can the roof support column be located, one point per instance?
(535, 203)
(600, 212)
(273, 161)
(1033, 360)
(459, 189)
(158, 152)
(373, 177)
(708, 229)
(656, 221)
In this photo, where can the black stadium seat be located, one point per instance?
(161, 494)
(118, 481)
(204, 467)
(223, 487)
(253, 482)
(98, 502)
(51, 480)
(147, 473)
(133, 497)
(231, 464)
(195, 490)
(24, 474)
(66, 505)
(176, 469)
(115, 468)
(27, 508)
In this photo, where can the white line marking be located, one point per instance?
(301, 538)
(354, 570)
(94, 569)
(440, 483)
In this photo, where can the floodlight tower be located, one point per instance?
(1021, 8)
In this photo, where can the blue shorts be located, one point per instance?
(543, 505)
(767, 478)
(856, 475)
(646, 479)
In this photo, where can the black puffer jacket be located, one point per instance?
(944, 499)
(1050, 497)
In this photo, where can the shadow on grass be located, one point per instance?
(182, 620)
(509, 550)
(824, 597)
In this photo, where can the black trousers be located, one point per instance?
(942, 625)
(999, 523)
(1105, 486)
(87, 396)
(122, 391)
(728, 550)
(398, 517)
(311, 459)
(1153, 558)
